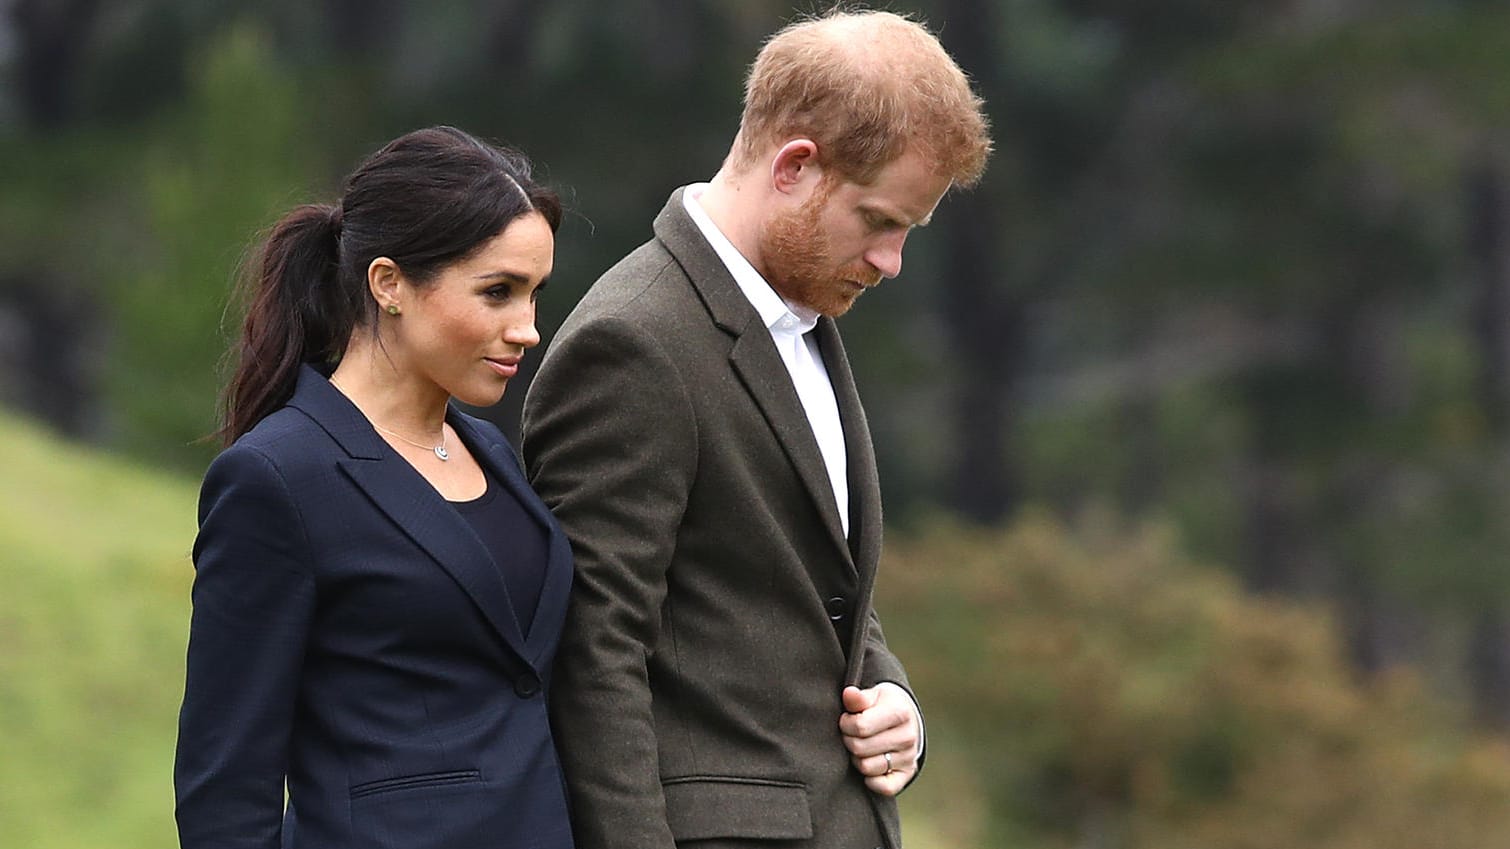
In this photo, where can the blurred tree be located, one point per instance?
(53, 42)
(246, 131)
(1264, 212)
(984, 308)
(1488, 211)
(1488, 248)
(1391, 138)
(1079, 94)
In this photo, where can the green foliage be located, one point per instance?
(216, 171)
(1100, 689)
(92, 626)
(148, 223)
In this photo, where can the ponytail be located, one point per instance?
(295, 315)
(425, 200)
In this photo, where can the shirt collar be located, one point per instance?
(778, 314)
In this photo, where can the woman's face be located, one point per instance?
(466, 330)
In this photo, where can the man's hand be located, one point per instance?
(880, 728)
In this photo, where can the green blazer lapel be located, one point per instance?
(865, 520)
(728, 307)
(754, 358)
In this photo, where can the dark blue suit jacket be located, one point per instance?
(352, 636)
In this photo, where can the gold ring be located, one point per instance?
(889, 768)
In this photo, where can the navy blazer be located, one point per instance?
(352, 636)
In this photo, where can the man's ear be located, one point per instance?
(794, 168)
(384, 281)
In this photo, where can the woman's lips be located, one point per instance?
(505, 366)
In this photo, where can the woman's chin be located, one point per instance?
(479, 396)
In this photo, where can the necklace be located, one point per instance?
(440, 450)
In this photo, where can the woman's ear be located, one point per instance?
(794, 168)
(384, 281)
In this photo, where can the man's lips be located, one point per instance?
(864, 278)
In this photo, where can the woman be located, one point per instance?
(378, 594)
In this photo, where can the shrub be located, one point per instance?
(1105, 691)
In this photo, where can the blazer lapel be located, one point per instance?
(865, 521)
(437, 528)
(754, 358)
(499, 459)
(765, 376)
(411, 503)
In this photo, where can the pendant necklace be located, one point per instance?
(440, 450)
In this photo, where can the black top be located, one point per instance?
(517, 542)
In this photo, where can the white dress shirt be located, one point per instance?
(789, 324)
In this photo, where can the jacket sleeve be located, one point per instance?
(253, 598)
(610, 442)
(881, 665)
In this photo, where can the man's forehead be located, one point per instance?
(910, 205)
(907, 189)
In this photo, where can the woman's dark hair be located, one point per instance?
(426, 201)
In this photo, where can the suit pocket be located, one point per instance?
(436, 810)
(708, 807)
(415, 782)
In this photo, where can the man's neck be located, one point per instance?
(728, 205)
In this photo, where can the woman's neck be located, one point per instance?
(388, 396)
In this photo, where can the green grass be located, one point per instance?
(94, 582)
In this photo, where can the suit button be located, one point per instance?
(836, 607)
(527, 686)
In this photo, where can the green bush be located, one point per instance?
(1092, 687)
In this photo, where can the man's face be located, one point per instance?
(845, 237)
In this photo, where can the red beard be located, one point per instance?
(800, 266)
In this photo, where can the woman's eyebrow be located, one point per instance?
(508, 275)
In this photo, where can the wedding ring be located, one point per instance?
(889, 768)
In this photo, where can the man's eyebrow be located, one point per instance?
(898, 218)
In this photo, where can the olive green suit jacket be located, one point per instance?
(718, 608)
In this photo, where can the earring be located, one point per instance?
(392, 309)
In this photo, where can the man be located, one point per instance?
(723, 680)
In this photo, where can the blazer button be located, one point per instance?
(836, 607)
(527, 686)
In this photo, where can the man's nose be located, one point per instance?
(886, 257)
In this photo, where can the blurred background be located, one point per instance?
(1194, 418)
